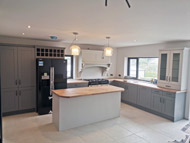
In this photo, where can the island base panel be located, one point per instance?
(74, 112)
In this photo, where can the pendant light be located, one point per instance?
(75, 49)
(108, 51)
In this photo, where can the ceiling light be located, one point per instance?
(135, 40)
(22, 33)
(75, 49)
(29, 26)
(108, 51)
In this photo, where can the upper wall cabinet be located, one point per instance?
(173, 69)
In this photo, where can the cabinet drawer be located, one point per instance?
(82, 85)
(75, 85)
(155, 91)
(169, 94)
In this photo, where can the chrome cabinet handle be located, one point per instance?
(16, 82)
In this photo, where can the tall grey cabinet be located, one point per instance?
(18, 79)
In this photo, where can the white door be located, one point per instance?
(175, 69)
(163, 69)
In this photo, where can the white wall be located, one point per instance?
(88, 72)
(144, 51)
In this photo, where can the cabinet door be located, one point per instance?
(175, 68)
(168, 106)
(144, 97)
(26, 62)
(27, 98)
(157, 104)
(133, 91)
(9, 100)
(9, 74)
(125, 96)
(163, 70)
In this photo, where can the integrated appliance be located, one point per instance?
(51, 74)
(1, 136)
(92, 82)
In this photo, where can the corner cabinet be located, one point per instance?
(173, 67)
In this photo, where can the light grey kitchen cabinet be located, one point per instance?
(9, 68)
(168, 106)
(26, 98)
(144, 97)
(18, 76)
(10, 100)
(164, 102)
(26, 70)
(125, 94)
(130, 93)
(156, 102)
(133, 92)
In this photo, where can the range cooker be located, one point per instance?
(92, 82)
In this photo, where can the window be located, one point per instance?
(143, 68)
(69, 59)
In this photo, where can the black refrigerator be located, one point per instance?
(1, 135)
(51, 74)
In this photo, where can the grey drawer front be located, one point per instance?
(82, 85)
(75, 85)
(169, 94)
(155, 91)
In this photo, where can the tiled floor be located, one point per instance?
(133, 126)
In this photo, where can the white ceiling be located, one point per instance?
(147, 21)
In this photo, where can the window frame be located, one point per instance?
(137, 67)
(71, 56)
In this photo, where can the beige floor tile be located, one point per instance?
(132, 139)
(133, 125)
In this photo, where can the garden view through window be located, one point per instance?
(143, 68)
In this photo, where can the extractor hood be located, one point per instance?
(94, 58)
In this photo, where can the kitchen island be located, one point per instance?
(76, 107)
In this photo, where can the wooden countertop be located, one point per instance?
(73, 81)
(146, 84)
(85, 91)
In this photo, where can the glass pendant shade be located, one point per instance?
(75, 50)
(108, 51)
